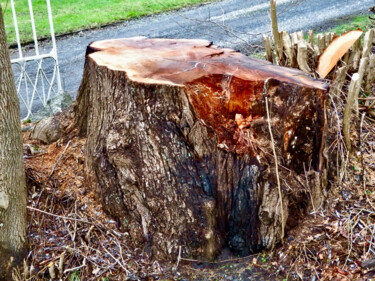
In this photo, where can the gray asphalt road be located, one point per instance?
(231, 23)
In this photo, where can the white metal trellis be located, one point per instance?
(38, 75)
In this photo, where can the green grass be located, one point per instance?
(74, 15)
(74, 276)
(363, 22)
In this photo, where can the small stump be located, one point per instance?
(179, 149)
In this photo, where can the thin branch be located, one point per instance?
(76, 268)
(219, 262)
(57, 216)
(58, 160)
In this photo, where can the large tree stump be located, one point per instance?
(179, 150)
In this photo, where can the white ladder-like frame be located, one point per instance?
(43, 91)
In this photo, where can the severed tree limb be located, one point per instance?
(356, 54)
(370, 74)
(361, 71)
(289, 50)
(275, 30)
(349, 108)
(302, 57)
(321, 43)
(268, 46)
(367, 42)
(338, 83)
(311, 37)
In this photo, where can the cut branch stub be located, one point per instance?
(178, 146)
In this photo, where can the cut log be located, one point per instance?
(178, 146)
(47, 130)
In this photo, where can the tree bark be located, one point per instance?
(12, 173)
(178, 146)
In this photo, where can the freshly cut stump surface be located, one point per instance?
(179, 149)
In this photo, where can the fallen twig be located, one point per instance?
(57, 216)
(77, 267)
(58, 160)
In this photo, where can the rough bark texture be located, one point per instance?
(178, 145)
(12, 173)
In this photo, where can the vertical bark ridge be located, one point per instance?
(12, 177)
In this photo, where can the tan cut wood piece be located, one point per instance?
(334, 52)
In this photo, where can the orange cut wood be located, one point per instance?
(219, 82)
(180, 62)
(335, 50)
